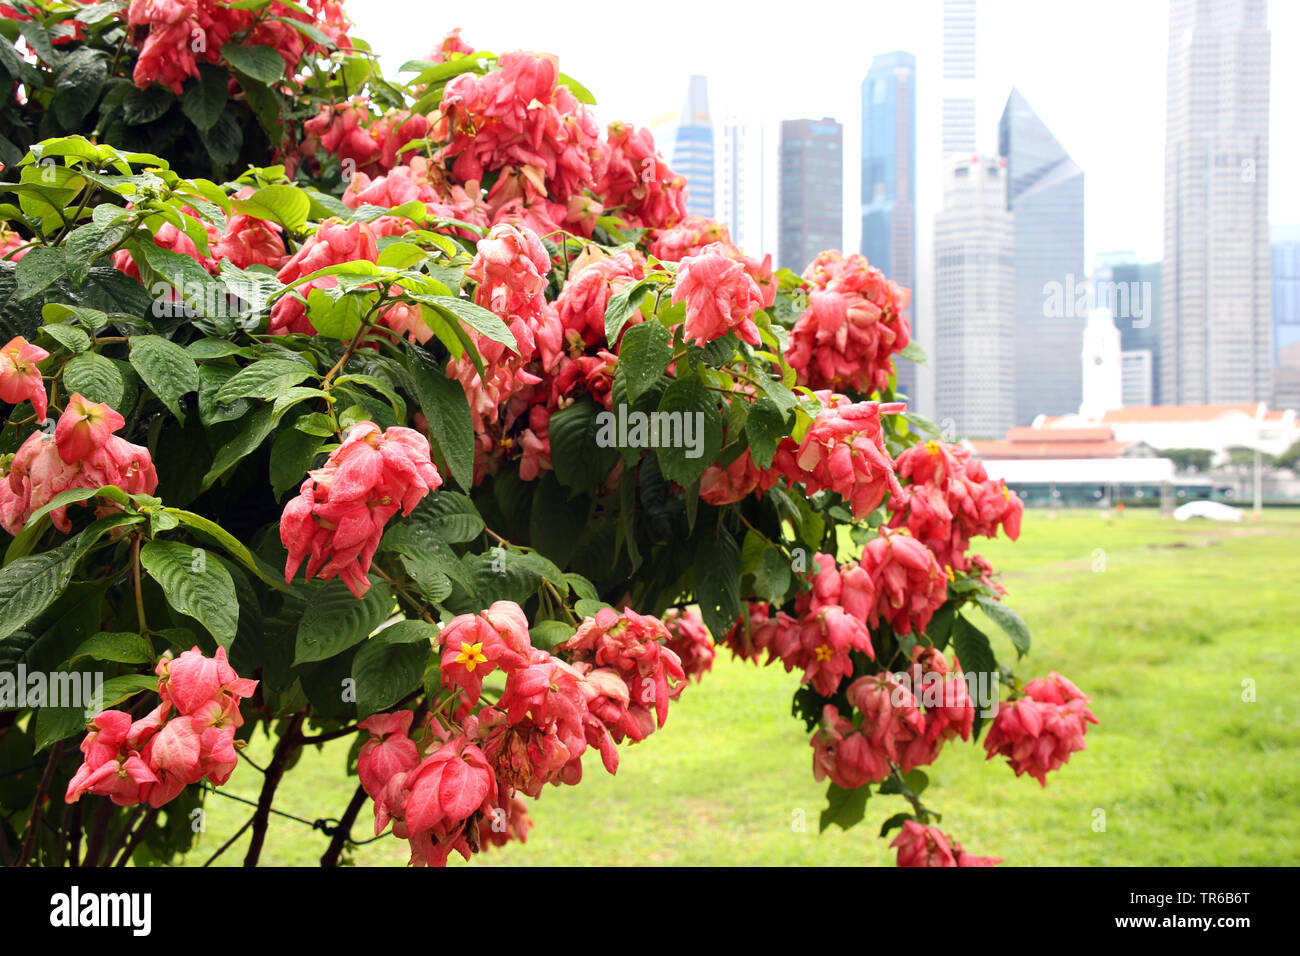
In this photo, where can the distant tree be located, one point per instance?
(1290, 458)
(1241, 455)
(1189, 459)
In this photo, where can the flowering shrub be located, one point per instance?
(420, 414)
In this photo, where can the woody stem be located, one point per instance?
(290, 741)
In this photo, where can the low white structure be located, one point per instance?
(1215, 428)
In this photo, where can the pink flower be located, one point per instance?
(451, 44)
(1038, 732)
(635, 647)
(334, 242)
(844, 755)
(853, 324)
(637, 179)
(474, 645)
(250, 241)
(192, 680)
(719, 294)
(339, 515)
(388, 752)
(688, 237)
(843, 451)
(910, 586)
(593, 279)
(112, 766)
(20, 378)
(920, 845)
(511, 269)
(83, 453)
(690, 641)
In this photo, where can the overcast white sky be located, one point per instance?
(1092, 69)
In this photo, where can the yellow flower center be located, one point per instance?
(471, 655)
(947, 568)
(824, 652)
(932, 447)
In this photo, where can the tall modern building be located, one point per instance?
(1045, 194)
(693, 148)
(1131, 290)
(811, 190)
(1286, 316)
(742, 182)
(958, 132)
(974, 300)
(889, 179)
(1216, 340)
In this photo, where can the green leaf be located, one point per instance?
(972, 648)
(265, 379)
(481, 320)
(621, 306)
(448, 516)
(253, 431)
(845, 808)
(166, 368)
(194, 585)
(765, 426)
(547, 634)
(717, 581)
(57, 723)
(445, 406)
(69, 336)
(643, 356)
(1007, 618)
(914, 353)
(287, 205)
(87, 243)
(391, 664)
(38, 270)
(228, 542)
(580, 459)
(123, 647)
(77, 87)
(292, 454)
(335, 620)
(690, 407)
(205, 99)
(118, 689)
(259, 62)
(31, 584)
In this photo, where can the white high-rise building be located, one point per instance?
(958, 135)
(974, 300)
(1103, 369)
(742, 182)
(1215, 297)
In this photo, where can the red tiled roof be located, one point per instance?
(1177, 413)
(1025, 433)
(1050, 449)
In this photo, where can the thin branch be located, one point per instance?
(343, 832)
(226, 846)
(38, 806)
(289, 742)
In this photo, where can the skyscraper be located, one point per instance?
(1045, 194)
(812, 191)
(889, 179)
(1216, 336)
(1286, 316)
(974, 300)
(1131, 290)
(958, 134)
(693, 148)
(742, 182)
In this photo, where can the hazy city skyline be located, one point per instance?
(1095, 73)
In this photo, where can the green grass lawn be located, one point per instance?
(1186, 772)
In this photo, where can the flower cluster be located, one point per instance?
(854, 323)
(690, 641)
(720, 296)
(339, 514)
(843, 451)
(451, 787)
(188, 737)
(20, 376)
(520, 117)
(1038, 732)
(174, 36)
(83, 452)
(921, 845)
(949, 500)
